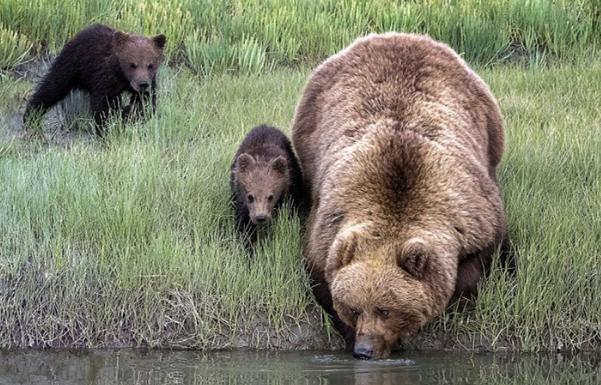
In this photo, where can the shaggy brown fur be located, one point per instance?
(264, 173)
(103, 62)
(399, 142)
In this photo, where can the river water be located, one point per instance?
(234, 368)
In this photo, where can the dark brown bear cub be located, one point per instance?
(104, 62)
(264, 173)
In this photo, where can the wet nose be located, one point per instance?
(363, 352)
(261, 218)
(143, 86)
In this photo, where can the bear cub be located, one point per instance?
(264, 174)
(104, 62)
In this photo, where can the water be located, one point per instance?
(254, 368)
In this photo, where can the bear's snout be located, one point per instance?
(260, 218)
(363, 351)
(260, 211)
(143, 86)
(369, 346)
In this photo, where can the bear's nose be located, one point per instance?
(143, 86)
(261, 218)
(363, 353)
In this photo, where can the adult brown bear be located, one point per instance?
(398, 141)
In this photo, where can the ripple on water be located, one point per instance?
(342, 364)
(331, 358)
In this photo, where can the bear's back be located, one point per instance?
(420, 84)
(94, 41)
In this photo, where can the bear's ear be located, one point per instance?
(160, 40)
(343, 249)
(341, 253)
(279, 165)
(119, 38)
(413, 257)
(245, 162)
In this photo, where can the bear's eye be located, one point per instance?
(355, 313)
(270, 198)
(384, 313)
(133, 65)
(250, 198)
(150, 66)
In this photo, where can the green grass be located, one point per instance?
(551, 177)
(134, 239)
(250, 36)
(131, 242)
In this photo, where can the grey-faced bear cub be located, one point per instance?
(264, 173)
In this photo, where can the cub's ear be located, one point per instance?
(119, 38)
(160, 40)
(244, 162)
(343, 249)
(414, 257)
(279, 165)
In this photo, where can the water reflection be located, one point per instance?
(171, 368)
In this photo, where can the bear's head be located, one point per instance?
(139, 58)
(387, 291)
(263, 183)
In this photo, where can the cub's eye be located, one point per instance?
(356, 313)
(250, 198)
(150, 66)
(384, 313)
(133, 65)
(270, 198)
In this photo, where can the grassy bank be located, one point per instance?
(251, 36)
(131, 242)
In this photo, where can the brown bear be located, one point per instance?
(104, 62)
(264, 173)
(398, 140)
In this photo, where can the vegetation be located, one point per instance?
(130, 241)
(551, 176)
(254, 35)
(133, 242)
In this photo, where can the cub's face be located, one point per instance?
(263, 184)
(383, 304)
(139, 58)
